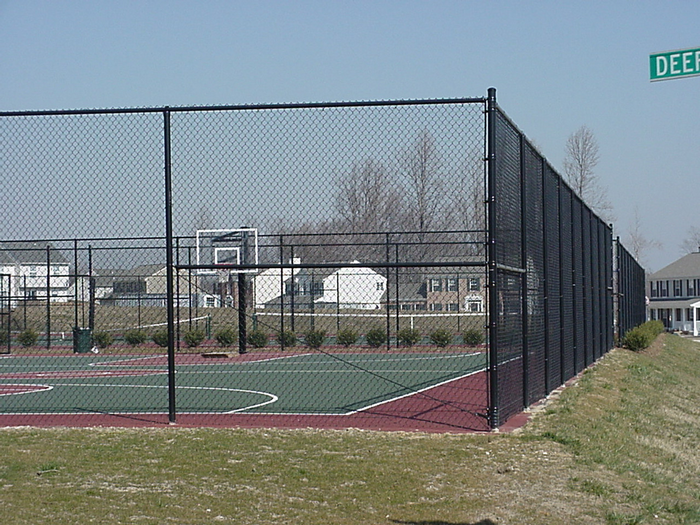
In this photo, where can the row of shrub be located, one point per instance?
(225, 337)
(640, 337)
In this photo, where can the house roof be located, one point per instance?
(672, 303)
(687, 266)
(29, 252)
(408, 292)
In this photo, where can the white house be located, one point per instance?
(269, 284)
(35, 271)
(353, 287)
(349, 286)
(674, 294)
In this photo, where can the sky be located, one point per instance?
(556, 65)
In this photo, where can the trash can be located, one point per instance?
(82, 340)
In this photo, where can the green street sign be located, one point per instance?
(674, 64)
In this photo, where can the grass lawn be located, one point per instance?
(619, 447)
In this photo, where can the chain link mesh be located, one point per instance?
(329, 267)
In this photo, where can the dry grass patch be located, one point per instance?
(611, 449)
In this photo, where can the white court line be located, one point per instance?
(273, 397)
(44, 388)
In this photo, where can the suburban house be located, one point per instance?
(353, 286)
(270, 284)
(674, 294)
(146, 285)
(350, 286)
(441, 291)
(455, 292)
(34, 272)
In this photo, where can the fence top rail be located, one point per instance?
(243, 107)
(267, 266)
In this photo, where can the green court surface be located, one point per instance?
(301, 383)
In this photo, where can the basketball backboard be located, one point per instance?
(226, 247)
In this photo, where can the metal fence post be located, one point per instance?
(48, 297)
(169, 266)
(492, 291)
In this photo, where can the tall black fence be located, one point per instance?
(411, 264)
(550, 274)
(629, 287)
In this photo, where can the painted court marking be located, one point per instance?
(13, 390)
(196, 361)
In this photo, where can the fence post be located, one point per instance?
(524, 278)
(48, 297)
(492, 291)
(281, 341)
(169, 265)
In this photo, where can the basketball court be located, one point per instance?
(409, 390)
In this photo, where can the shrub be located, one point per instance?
(315, 338)
(102, 339)
(636, 339)
(195, 337)
(376, 337)
(226, 336)
(441, 337)
(346, 337)
(287, 339)
(135, 337)
(409, 336)
(640, 337)
(160, 338)
(28, 338)
(473, 337)
(258, 338)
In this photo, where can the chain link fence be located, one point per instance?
(410, 264)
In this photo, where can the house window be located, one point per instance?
(474, 306)
(677, 288)
(453, 307)
(663, 288)
(697, 287)
(210, 302)
(420, 306)
(436, 307)
(688, 314)
(679, 315)
(436, 285)
(407, 307)
(380, 285)
(474, 284)
(32, 271)
(690, 287)
(653, 291)
(452, 285)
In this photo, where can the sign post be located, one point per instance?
(674, 64)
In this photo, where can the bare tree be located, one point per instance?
(639, 244)
(420, 166)
(202, 220)
(366, 201)
(467, 206)
(582, 156)
(692, 242)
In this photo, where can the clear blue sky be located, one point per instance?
(557, 65)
